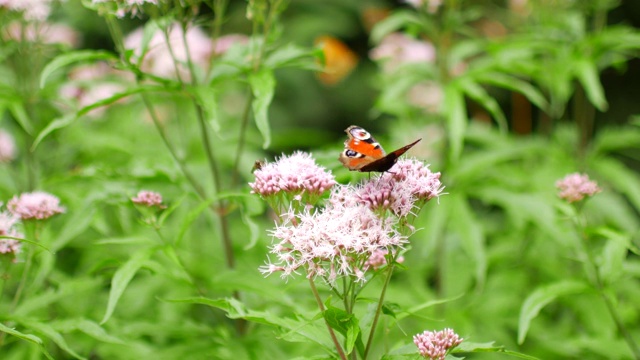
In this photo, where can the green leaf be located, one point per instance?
(191, 217)
(346, 324)
(619, 177)
(456, 113)
(88, 327)
(68, 119)
(477, 93)
(121, 280)
(514, 84)
(587, 74)
(471, 235)
(32, 242)
(263, 85)
(299, 331)
(28, 337)
(613, 254)
(540, 298)
(291, 55)
(73, 57)
(206, 97)
(50, 333)
(471, 347)
(394, 22)
(16, 107)
(56, 124)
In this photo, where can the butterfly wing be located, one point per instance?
(360, 149)
(385, 163)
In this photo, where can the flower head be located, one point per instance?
(575, 187)
(333, 242)
(407, 182)
(434, 345)
(292, 174)
(36, 205)
(7, 147)
(148, 199)
(42, 32)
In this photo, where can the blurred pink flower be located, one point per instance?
(434, 345)
(7, 147)
(37, 205)
(432, 5)
(575, 187)
(148, 199)
(45, 33)
(121, 7)
(7, 223)
(159, 60)
(292, 174)
(397, 48)
(427, 95)
(225, 42)
(334, 242)
(91, 83)
(33, 10)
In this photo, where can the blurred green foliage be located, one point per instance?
(526, 95)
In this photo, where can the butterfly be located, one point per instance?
(363, 153)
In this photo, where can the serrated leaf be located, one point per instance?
(347, 325)
(263, 86)
(587, 74)
(540, 298)
(121, 280)
(73, 57)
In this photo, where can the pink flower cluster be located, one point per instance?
(36, 205)
(378, 259)
(333, 242)
(148, 199)
(32, 10)
(7, 223)
(432, 5)
(296, 173)
(575, 187)
(42, 32)
(434, 345)
(406, 183)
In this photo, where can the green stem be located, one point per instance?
(331, 332)
(379, 308)
(30, 228)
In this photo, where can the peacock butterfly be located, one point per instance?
(363, 153)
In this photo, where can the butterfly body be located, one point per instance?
(363, 153)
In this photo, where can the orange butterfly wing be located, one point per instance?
(363, 153)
